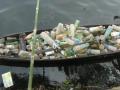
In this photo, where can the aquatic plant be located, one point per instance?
(33, 48)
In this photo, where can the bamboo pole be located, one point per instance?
(33, 49)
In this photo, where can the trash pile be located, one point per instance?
(9, 46)
(64, 41)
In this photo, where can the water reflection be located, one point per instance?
(20, 82)
(100, 76)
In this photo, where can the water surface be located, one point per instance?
(18, 16)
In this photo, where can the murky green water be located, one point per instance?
(18, 16)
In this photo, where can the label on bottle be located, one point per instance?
(7, 79)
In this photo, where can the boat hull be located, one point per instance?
(16, 61)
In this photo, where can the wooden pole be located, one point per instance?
(33, 49)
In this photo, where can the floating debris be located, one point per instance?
(77, 23)
(108, 31)
(53, 34)
(24, 54)
(80, 48)
(1, 45)
(111, 48)
(96, 29)
(72, 30)
(59, 29)
(10, 47)
(116, 28)
(114, 34)
(48, 39)
(64, 41)
(11, 38)
(93, 51)
(48, 53)
(60, 37)
(1, 51)
(118, 41)
(6, 51)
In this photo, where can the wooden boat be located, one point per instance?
(17, 61)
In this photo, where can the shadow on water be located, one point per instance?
(22, 80)
(83, 77)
